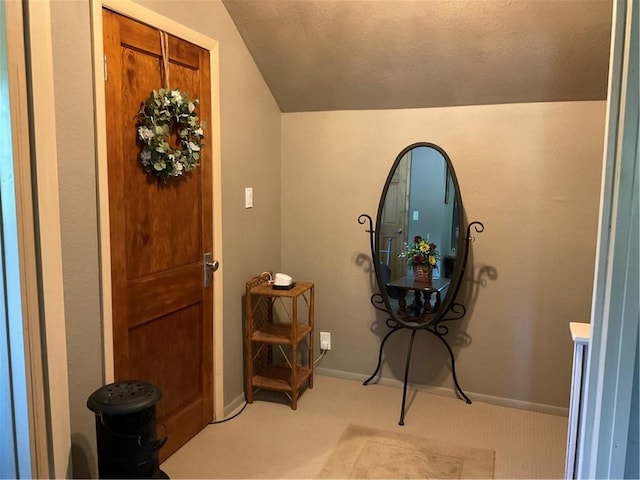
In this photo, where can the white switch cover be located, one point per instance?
(416, 214)
(248, 197)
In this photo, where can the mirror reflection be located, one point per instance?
(418, 231)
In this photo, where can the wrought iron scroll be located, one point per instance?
(377, 300)
(455, 310)
(452, 311)
(362, 219)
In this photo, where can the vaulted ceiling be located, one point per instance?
(320, 55)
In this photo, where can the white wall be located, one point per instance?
(529, 172)
(79, 222)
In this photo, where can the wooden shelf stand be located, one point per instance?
(292, 370)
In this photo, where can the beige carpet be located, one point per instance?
(365, 452)
(268, 440)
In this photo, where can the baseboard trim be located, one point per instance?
(448, 392)
(234, 405)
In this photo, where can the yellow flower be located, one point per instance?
(432, 260)
(424, 247)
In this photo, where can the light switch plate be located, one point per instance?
(248, 197)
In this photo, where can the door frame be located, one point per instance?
(35, 312)
(42, 243)
(144, 15)
(607, 409)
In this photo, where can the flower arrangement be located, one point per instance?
(421, 253)
(161, 111)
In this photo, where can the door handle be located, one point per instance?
(209, 266)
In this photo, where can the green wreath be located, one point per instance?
(157, 117)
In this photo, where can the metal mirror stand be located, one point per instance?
(450, 310)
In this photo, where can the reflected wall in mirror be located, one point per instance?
(421, 197)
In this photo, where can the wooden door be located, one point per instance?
(162, 313)
(394, 227)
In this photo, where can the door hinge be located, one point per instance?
(104, 63)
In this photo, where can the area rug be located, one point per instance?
(364, 452)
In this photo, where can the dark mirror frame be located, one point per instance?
(449, 308)
(456, 276)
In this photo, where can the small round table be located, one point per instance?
(423, 293)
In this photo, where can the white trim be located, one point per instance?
(603, 437)
(34, 368)
(142, 14)
(581, 335)
(46, 174)
(580, 332)
(103, 191)
(447, 392)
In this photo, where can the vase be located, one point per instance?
(422, 274)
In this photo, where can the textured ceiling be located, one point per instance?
(377, 54)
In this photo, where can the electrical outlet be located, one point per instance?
(325, 341)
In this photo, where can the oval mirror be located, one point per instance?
(419, 226)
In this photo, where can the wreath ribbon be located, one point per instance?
(164, 50)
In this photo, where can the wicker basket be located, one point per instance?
(422, 274)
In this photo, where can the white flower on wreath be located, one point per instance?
(145, 133)
(176, 96)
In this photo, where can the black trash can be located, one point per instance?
(126, 430)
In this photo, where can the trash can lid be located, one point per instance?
(121, 398)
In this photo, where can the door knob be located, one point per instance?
(209, 265)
